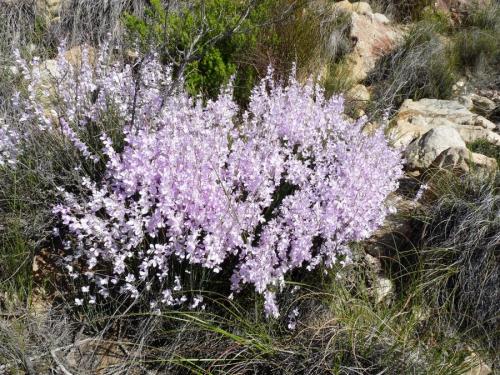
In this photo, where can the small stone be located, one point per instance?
(373, 263)
(344, 6)
(383, 289)
(381, 18)
(358, 93)
(482, 105)
(14, 70)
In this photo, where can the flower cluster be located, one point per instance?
(9, 140)
(287, 184)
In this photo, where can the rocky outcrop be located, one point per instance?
(50, 74)
(415, 118)
(371, 34)
(435, 133)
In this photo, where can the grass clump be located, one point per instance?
(402, 10)
(477, 45)
(458, 256)
(421, 67)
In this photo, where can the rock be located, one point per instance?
(493, 95)
(461, 159)
(357, 99)
(466, 101)
(416, 118)
(448, 109)
(373, 263)
(473, 133)
(460, 88)
(49, 8)
(371, 36)
(371, 127)
(381, 18)
(50, 73)
(372, 39)
(14, 70)
(457, 6)
(423, 151)
(482, 105)
(397, 231)
(382, 289)
(421, 313)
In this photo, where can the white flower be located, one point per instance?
(196, 301)
(130, 278)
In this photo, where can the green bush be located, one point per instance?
(278, 33)
(217, 31)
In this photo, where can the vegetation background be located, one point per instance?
(441, 312)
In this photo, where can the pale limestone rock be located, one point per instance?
(470, 133)
(423, 151)
(482, 105)
(358, 93)
(415, 118)
(383, 289)
(344, 6)
(373, 263)
(49, 75)
(372, 39)
(371, 35)
(381, 18)
(461, 159)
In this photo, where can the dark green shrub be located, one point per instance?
(203, 39)
(278, 33)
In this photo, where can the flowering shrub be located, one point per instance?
(287, 184)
